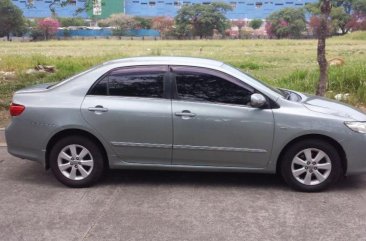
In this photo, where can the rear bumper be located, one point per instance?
(27, 154)
(26, 140)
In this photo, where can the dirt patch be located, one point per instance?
(42, 69)
(4, 118)
(362, 108)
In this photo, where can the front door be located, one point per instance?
(130, 110)
(214, 124)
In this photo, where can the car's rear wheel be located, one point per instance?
(311, 165)
(77, 161)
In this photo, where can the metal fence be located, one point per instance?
(105, 32)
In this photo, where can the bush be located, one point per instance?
(245, 34)
(67, 22)
(121, 23)
(36, 34)
(256, 23)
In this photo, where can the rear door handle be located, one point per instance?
(185, 113)
(98, 108)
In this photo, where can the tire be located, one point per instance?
(82, 169)
(323, 170)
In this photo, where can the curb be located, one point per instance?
(2, 138)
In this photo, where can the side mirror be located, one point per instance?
(257, 100)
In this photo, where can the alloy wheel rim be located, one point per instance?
(311, 166)
(75, 162)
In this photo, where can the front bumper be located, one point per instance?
(355, 149)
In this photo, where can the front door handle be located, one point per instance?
(98, 108)
(185, 113)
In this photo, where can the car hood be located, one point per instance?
(332, 107)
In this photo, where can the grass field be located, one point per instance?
(283, 63)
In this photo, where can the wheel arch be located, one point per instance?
(69, 132)
(328, 139)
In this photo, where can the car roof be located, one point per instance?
(166, 60)
(92, 74)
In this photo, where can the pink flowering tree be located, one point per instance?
(163, 24)
(48, 26)
(269, 30)
(286, 23)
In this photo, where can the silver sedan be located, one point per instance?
(178, 113)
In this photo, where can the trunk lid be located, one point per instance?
(36, 88)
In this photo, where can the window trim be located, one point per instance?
(166, 84)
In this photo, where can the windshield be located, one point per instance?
(283, 93)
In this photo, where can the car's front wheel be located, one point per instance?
(311, 165)
(76, 161)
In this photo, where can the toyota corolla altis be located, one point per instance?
(177, 113)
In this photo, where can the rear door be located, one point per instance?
(214, 124)
(130, 108)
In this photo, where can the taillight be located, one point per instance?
(16, 109)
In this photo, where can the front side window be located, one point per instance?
(133, 82)
(195, 86)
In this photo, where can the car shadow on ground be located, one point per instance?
(184, 178)
(215, 179)
(33, 173)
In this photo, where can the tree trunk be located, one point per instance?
(325, 7)
(323, 64)
(8, 36)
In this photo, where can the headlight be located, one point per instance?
(357, 126)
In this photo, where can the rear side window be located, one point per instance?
(137, 84)
(100, 88)
(195, 86)
(132, 82)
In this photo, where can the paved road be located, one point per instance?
(136, 205)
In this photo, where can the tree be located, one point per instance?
(340, 20)
(163, 24)
(314, 24)
(11, 19)
(359, 6)
(325, 10)
(351, 5)
(122, 23)
(240, 23)
(202, 19)
(286, 23)
(88, 4)
(269, 30)
(325, 18)
(143, 23)
(48, 26)
(345, 16)
(359, 15)
(345, 4)
(256, 23)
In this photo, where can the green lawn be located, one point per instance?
(283, 63)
